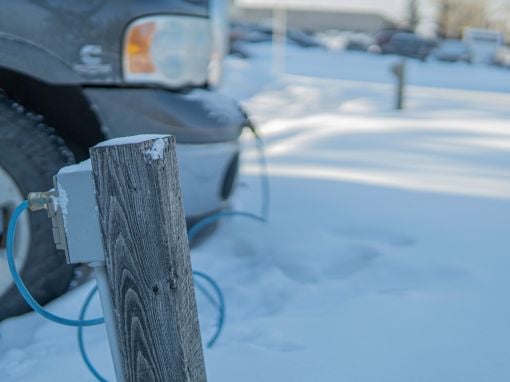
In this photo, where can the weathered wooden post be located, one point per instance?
(147, 259)
(399, 70)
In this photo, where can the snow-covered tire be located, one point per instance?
(30, 154)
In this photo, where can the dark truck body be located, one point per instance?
(63, 59)
(79, 43)
(63, 90)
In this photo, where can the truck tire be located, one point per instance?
(30, 154)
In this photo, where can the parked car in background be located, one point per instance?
(302, 39)
(408, 45)
(250, 32)
(451, 50)
(257, 33)
(74, 73)
(345, 40)
(384, 36)
(502, 57)
(357, 41)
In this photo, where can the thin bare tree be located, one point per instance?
(413, 16)
(456, 15)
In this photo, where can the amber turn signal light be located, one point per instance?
(137, 50)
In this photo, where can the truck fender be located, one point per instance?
(20, 55)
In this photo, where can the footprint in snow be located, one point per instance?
(353, 259)
(337, 260)
(378, 237)
(268, 339)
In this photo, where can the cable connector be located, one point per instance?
(48, 201)
(40, 200)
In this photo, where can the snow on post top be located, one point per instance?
(131, 140)
(154, 153)
(157, 150)
(82, 166)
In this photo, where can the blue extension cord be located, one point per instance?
(81, 322)
(220, 303)
(11, 231)
(195, 230)
(221, 319)
(81, 343)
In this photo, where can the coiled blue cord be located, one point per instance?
(264, 172)
(81, 343)
(220, 303)
(207, 221)
(195, 230)
(11, 232)
(221, 319)
(82, 322)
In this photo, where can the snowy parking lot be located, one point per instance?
(387, 251)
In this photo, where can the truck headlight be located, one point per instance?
(169, 50)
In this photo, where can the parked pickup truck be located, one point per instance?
(74, 73)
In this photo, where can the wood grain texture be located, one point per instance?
(148, 262)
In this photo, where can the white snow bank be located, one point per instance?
(82, 166)
(386, 254)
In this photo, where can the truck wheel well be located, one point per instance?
(65, 108)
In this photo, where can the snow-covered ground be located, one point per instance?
(387, 252)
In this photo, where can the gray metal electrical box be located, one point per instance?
(74, 215)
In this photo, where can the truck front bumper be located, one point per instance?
(206, 125)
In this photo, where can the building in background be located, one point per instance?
(444, 18)
(362, 15)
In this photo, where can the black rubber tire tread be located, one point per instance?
(31, 153)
